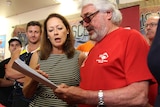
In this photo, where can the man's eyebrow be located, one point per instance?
(84, 14)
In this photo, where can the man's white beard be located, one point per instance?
(93, 37)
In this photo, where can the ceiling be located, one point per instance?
(14, 7)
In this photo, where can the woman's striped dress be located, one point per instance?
(60, 70)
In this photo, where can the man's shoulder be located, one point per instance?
(23, 51)
(5, 61)
(129, 32)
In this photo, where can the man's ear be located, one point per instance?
(108, 15)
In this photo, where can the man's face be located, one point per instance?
(13, 46)
(150, 28)
(95, 25)
(33, 34)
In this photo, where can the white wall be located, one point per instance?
(39, 14)
(127, 1)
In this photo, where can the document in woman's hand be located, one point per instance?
(26, 70)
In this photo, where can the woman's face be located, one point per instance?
(57, 32)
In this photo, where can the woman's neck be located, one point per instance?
(57, 51)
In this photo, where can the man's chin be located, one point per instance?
(91, 32)
(93, 36)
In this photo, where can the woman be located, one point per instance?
(58, 58)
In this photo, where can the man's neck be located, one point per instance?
(31, 47)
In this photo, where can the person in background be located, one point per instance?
(150, 31)
(33, 33)
(154, 61)
(57, 57)
(115, 73)
(151, 26)
(86, 47)
(6, 85)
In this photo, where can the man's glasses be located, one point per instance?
(88, 18)
(151, 25)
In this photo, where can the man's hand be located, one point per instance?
(70, 94)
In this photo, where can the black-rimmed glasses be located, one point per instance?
(88, 18)
(151, 25)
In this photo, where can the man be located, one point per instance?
(151, 26)
(154, 61)
(6, 85)
(33, 33)
(150, 30)
(115, 72)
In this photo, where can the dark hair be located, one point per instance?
(46, 46)
(34, 23)
(15, 39)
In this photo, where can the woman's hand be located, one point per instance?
(41, 72)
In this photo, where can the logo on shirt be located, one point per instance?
(102, 58)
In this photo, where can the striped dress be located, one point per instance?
(60, 70)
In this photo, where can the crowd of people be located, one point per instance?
(33, 34)
(111, 71)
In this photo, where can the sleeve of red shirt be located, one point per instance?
(136, 59)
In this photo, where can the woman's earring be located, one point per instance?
(67, 33)
(48, 37)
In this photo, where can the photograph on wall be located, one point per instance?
(80, 33)
(23, 38)
(2, 46)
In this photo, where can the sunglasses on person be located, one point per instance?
(88, 18)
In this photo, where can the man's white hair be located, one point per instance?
(105, 5)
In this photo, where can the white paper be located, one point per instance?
(20, 66)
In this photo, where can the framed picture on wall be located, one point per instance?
(23, 38)
(2, 46)
(80, 33)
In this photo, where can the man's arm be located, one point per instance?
(6, 83)
(135, 95)
(10, 72)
